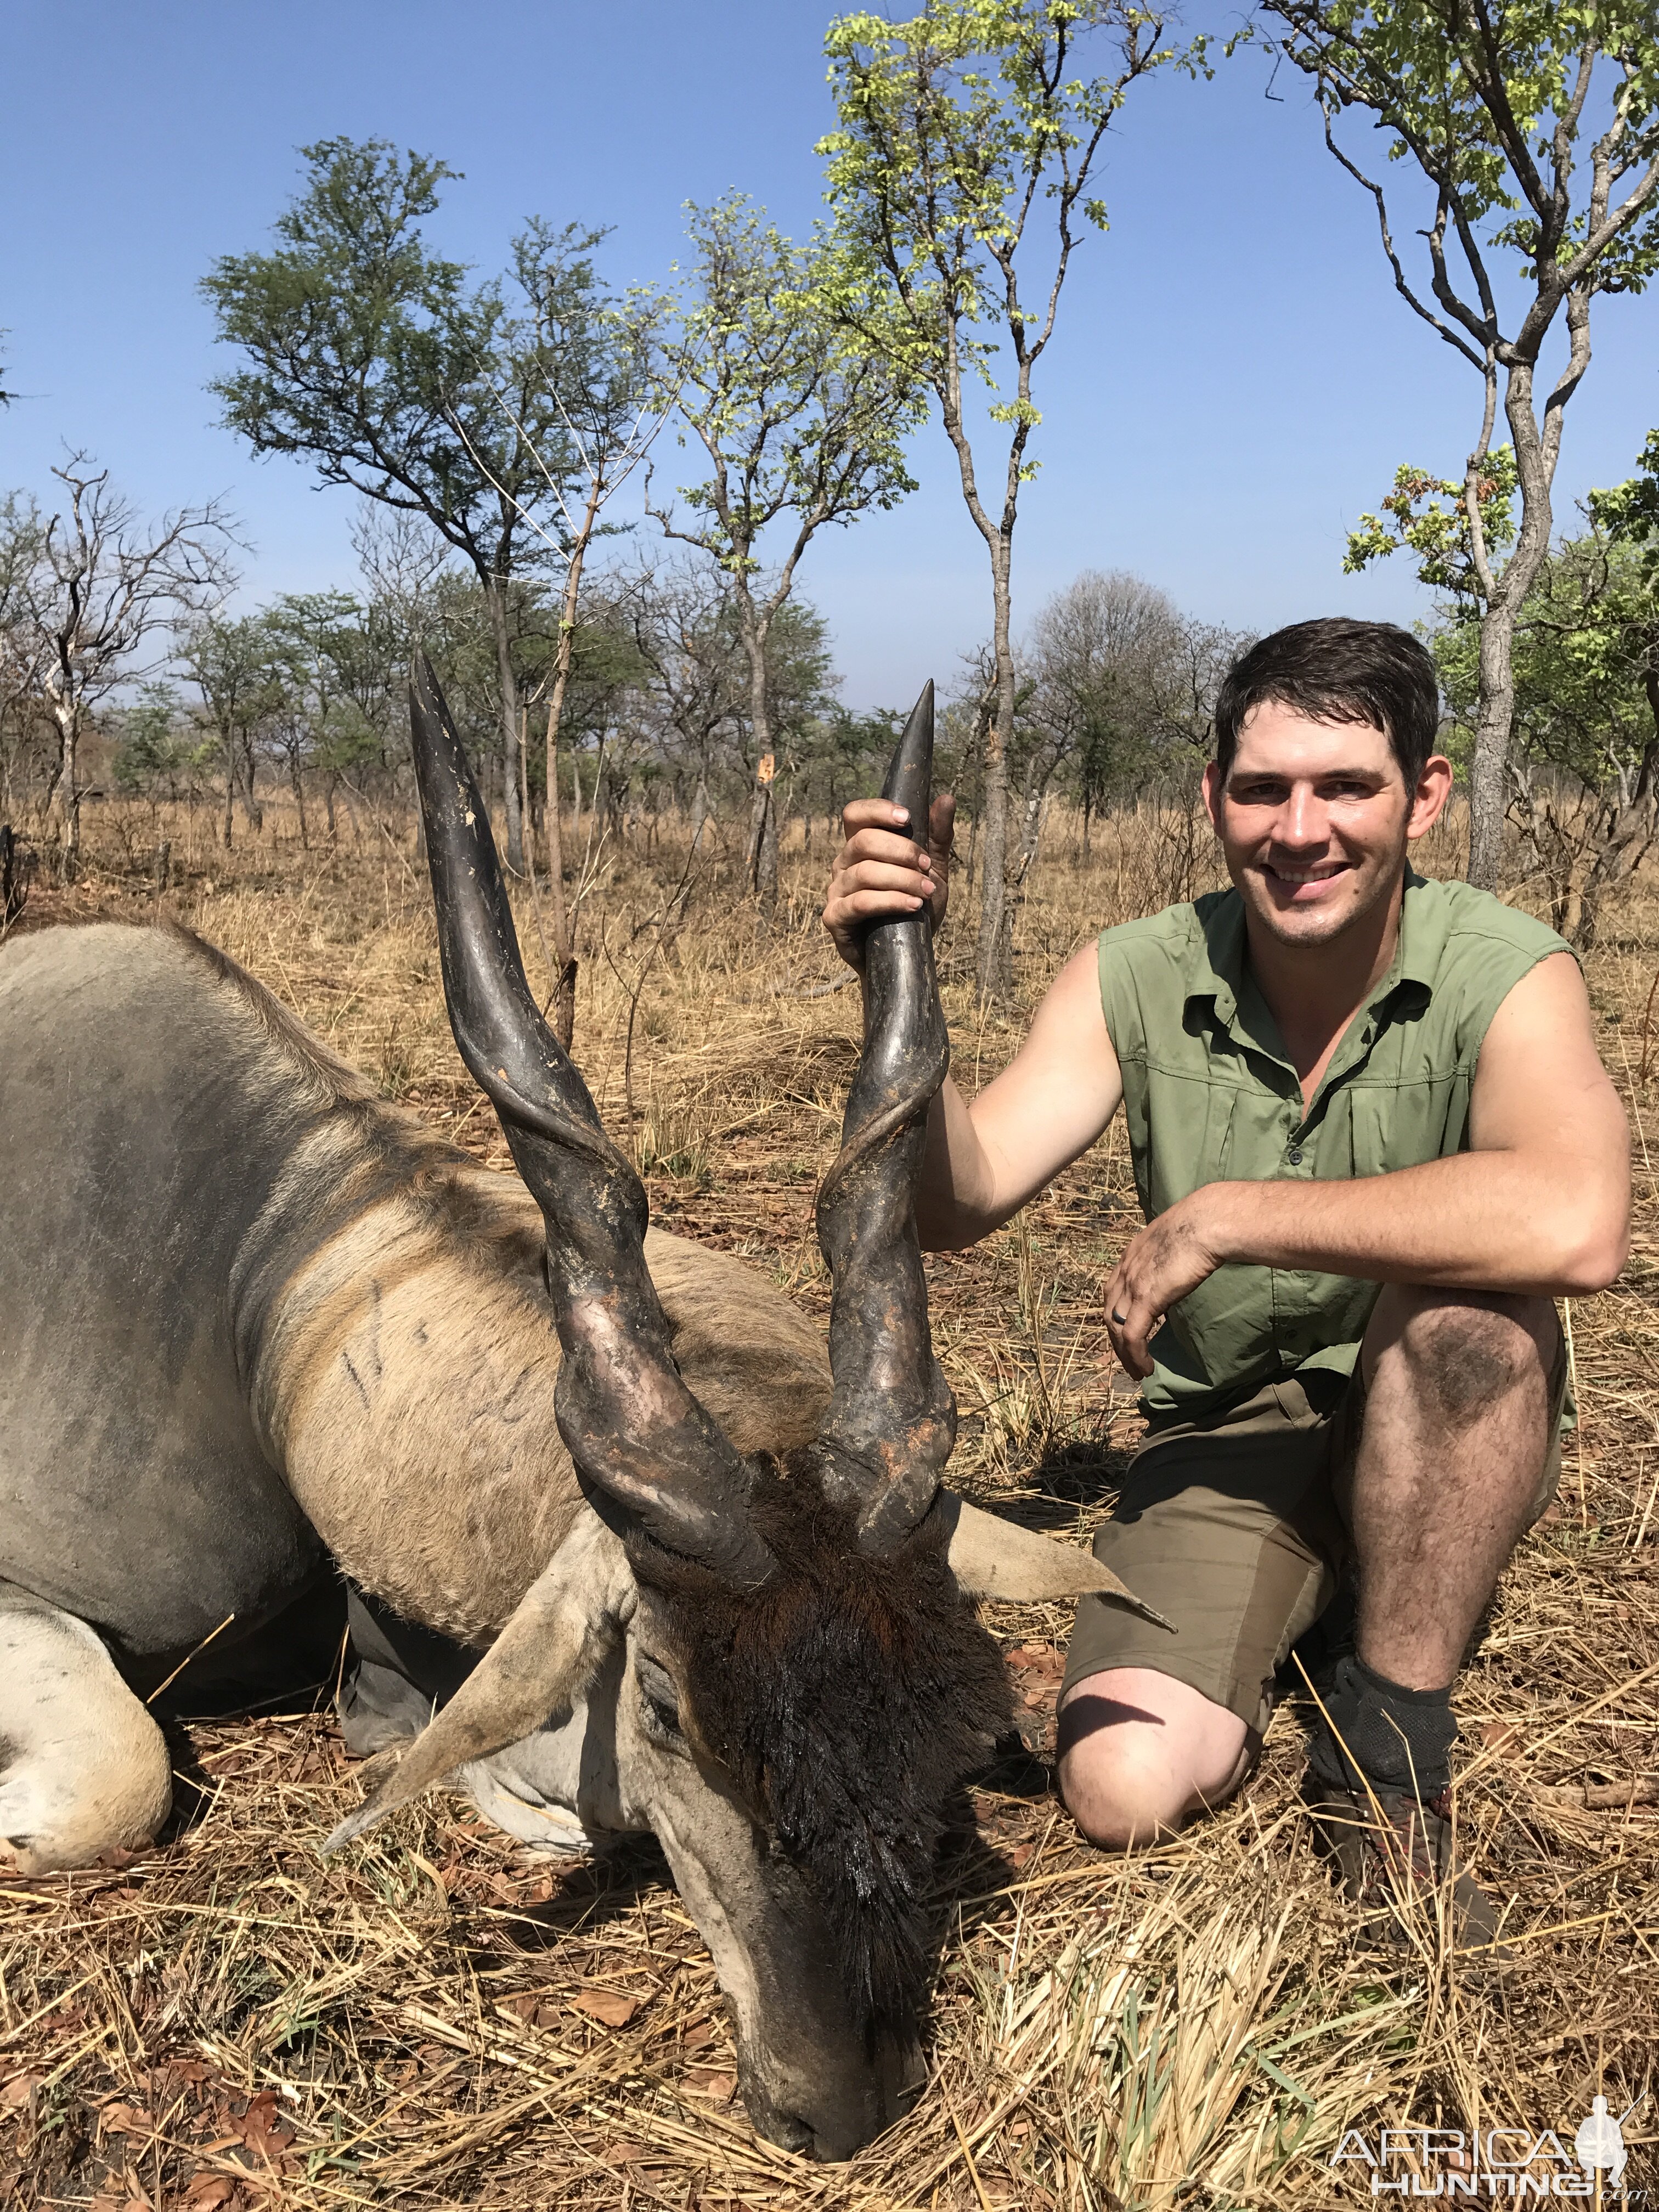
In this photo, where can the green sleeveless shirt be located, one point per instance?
(1211, 1097)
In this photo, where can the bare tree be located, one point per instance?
(1185, 683)
(23, 647)
(681, 620)
(401, 557)
(103, 585)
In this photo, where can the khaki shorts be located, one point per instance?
(1236, 1528)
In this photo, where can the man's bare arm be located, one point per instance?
(984, 1161)
(1538, 1205)
(1049, 1105)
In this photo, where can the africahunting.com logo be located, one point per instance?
(1506, 2163)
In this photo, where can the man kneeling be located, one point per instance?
(1373, 1143)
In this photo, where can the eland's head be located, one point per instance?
(778, 1654)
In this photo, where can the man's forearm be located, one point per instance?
(1483, 1220)
(954, 1200)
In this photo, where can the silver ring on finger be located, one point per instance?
(1119, 1318)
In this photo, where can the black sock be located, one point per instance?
(1392, 1737)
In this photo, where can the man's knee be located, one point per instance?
(1120, 1796)
(1141, 1753)
(1467, 1350)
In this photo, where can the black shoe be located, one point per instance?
(1393, 1856)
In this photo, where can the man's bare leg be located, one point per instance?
(1139, 1754)
(1450, 1463)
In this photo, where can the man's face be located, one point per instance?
(1315, 819)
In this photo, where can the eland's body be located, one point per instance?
(269, 1345)
(232, 1274)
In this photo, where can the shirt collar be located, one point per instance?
(1422, 941)
(1215, 955)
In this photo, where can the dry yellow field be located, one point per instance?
(434, 2019)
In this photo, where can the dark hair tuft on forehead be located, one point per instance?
(850, 1699)
(1337, 670)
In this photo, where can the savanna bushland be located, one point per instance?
(597, 506)
(436, 2018)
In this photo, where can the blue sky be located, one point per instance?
(1233, 381)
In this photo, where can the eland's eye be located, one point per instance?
(657, 1691)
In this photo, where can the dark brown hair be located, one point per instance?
(1337, 670)
(848, 1699)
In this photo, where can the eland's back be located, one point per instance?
(252, 1315)
(146, 1115)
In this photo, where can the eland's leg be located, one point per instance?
(84, 1770)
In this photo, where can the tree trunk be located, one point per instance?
(297, 782)
(761, 859)
(495, 594)
(230, 786)
(564, 952)
(1489, 772)
(1034, 805)
(771, 841)
(256, 820)
(1488, 777)
(69, 799)
(993, 959)
(561, 660)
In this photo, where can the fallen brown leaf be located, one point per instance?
(124, 2119)
(609, 2007)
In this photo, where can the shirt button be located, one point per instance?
(1294, 1156)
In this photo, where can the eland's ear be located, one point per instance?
(559, 1633)
(993, 1557)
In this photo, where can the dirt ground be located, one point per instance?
(434, 2019)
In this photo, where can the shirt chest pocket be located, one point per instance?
(1403, 1127)
(1189, 1133)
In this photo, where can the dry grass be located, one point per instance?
(441, 2021)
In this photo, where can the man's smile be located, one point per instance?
(1308, 879)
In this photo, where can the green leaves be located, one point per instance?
(1429, 517)
(955, 124)
(1585, 659)
(790, 374)
(377, 360)
(1535, 126)
(159, 752)
(1629, 513)
(1536, 121)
